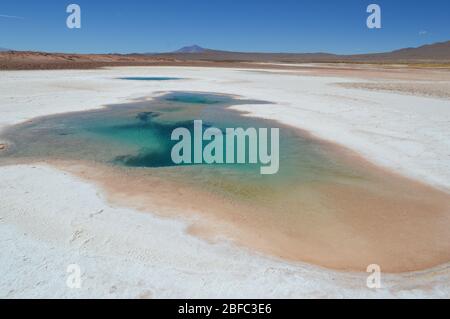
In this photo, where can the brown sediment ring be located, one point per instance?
(368, 230)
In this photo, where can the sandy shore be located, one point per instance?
(399, 224)
(408, 134)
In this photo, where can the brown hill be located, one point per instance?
(430, 52)
(23, 60)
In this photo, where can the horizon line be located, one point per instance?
(220, 50)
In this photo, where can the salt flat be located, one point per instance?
(50, 219)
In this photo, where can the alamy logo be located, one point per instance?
(374, 20)
(374, 279)
(74, 19)
(74, 278)
(239, 146)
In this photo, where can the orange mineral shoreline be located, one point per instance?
(400, 224)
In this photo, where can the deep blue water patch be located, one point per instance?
(138, 136)
(150, 78)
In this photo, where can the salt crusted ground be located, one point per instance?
(50, 219)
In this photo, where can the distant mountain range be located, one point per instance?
(431, 52)
(437, 54)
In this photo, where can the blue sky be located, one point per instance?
(337, 26)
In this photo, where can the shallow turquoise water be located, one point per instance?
(137, 136)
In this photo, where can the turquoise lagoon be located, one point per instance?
(138, 136)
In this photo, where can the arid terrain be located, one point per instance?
(434, 55)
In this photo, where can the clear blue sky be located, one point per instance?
(337, 26)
